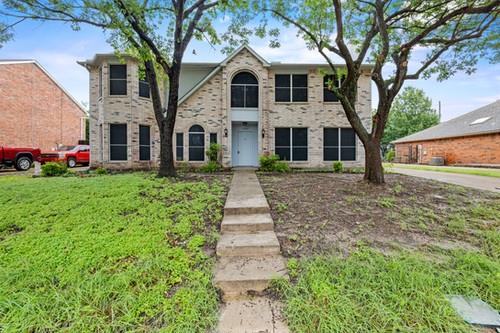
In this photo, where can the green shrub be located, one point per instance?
(213, 152)
(52, 169)
(101, 171)
(338, 167)
(390, 155)
(272, 163)
(211, 166)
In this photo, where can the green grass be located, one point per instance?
(370, 292)
(465, 171)
(119, 253)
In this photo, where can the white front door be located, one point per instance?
(245, 144)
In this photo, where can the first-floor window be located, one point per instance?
(339, 144)
(118, 142)
(179, 146)
(144, 143)
(196, 143)
(213, 138)
(291, 143)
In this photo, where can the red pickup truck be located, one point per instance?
(20, 158)
(71, 155)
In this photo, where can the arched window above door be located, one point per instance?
(244, 91)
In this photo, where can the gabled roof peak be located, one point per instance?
(264, 62)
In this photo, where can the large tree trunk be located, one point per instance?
(374, 172)
(167, 166)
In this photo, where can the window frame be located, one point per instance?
(325, 88)
(244, 85)
(339, 144)
(148, 145)
(100, 85)
(179, 146)
(292, 146)
(112, 145)
(212, 136)
(121, 79)
(291, 87)
(202, 147)
(144, 82)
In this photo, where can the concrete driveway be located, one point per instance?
(477, 182)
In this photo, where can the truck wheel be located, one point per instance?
(23, 163)
(71, 162)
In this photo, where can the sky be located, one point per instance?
(57, 48)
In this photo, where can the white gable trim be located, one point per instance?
(15, 62)
(249, 49)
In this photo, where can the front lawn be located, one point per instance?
(449, 169)
(114, 253)
(366, 258)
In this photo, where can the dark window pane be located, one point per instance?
(330, 154)
(282, 94)
(348, 154)
(144, 135)
(117, 71)
(329, 96)
(213, 137)
(196, 140)
(299, 154)
(237, 96)
(347, 137)
(282, 80)
(100, 81)
(299, 137)
(330, 137)
(282, 137)
(196, 153)
(144, 153)
(118, 87)
(179, 138)
(252, 96)
(196, 129)
(144, 89)
(118, 133)
(118, 153)
(299, 95)
(299, 80)
(283, 153)
(244, 78)
(179, 152)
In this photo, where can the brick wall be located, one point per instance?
(479, 149)
(35, 112)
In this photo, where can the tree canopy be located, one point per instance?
(411, 112)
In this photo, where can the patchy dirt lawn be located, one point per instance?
(315, 212)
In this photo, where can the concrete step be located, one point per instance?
(255, 244)
(247, 223)
(237, 276)
(245, 196)
(254, 315)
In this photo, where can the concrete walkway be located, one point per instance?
(477, 182)
(248, 258)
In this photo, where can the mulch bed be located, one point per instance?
(315, 212)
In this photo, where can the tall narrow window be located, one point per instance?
(118, 142)
(291, 88)
(100, 81)
(144, 89)
(339, 144)
(179, 146)
(213, 137)
(117, 79)
(328, 80)
(244, 91)
(144, 143)
(291, 144)
(196, 143)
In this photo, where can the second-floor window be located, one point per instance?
(291, 88)
(328, 94)
(244, 91)
(144, 89)
(117, 79)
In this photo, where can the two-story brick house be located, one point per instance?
(244, 103)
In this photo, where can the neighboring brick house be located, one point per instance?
(35, 110)
(244, 103)
(471, 139)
